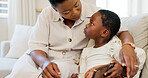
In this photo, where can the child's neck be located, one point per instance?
(100, 42)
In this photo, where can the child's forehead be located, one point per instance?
(96, 15)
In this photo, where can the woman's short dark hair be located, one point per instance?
(111, 21)
(55, 2)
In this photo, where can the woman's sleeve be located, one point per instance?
(40, 33)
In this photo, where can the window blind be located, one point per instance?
(3, 8)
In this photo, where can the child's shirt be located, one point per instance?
(92, 57)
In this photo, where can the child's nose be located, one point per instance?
(87, 25)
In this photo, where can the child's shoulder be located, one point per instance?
(88, 48)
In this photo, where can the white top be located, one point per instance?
(50, 30)
(92, 57)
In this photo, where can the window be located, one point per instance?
(3, 8)
(118, 6)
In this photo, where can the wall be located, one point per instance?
(91, 1)
(144, 6)
(3, 29)
(41, 4)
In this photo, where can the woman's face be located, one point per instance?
(70, 9)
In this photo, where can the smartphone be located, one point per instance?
(99, 72)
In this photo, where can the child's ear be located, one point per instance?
(105, 33)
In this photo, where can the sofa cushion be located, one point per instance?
(6, 65)
(138, 27)
(19, 41)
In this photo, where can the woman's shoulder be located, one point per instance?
(48, 12)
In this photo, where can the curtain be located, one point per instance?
(134, 7)
(124, 8)
(20, 12)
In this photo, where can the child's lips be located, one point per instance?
(85, 31)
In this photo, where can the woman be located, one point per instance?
(58, 37)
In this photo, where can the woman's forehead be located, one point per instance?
(67, 4)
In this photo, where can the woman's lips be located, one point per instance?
(76, 17)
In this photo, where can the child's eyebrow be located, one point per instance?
(76, 2)
(91, 20)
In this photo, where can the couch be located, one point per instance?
(13, 49)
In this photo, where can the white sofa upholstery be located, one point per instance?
(138, 27)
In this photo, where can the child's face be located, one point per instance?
(94, 28)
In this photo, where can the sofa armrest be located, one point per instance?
(5, 46)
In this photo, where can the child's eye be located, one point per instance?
(91, 23)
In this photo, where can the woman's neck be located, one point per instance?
(100, 42)
(69, 23)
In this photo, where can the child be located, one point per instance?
(102, 28)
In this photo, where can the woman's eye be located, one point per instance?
(67, 12)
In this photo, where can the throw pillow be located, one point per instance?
(19, 41)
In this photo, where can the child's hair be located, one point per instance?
(55, 2)
(111, 21)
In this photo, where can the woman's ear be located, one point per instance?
(105, 33)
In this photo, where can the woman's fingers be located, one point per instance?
(50, 72)
(121, 56)
(134, 67)
(128, 67)
(45, 75)
(55, 67)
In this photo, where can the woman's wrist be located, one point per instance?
(130, 44)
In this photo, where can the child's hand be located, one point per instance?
(115, 71)
(75, 75)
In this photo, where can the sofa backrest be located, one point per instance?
(138, 27)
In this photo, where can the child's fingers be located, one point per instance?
(113, 75)
(110, 71)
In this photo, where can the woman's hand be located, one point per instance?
(116, 71)
(128, 59)
(50, 70)
(75, 75)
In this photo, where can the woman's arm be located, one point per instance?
(127, 54)
(50, 69)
